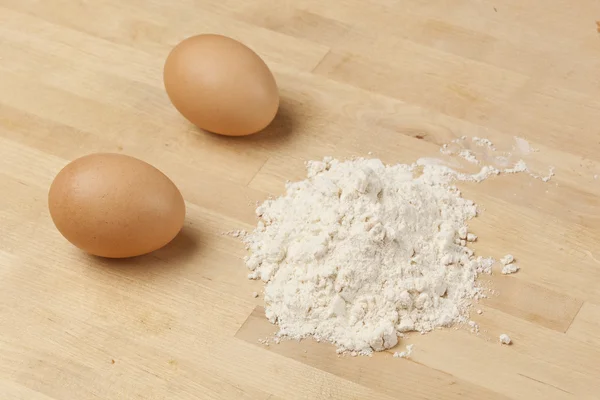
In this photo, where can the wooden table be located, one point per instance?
(395, 78)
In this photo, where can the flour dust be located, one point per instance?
(361, 252)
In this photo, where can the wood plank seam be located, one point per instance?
(317, 65)
(574, 317)
(544, 383)
(257, 172)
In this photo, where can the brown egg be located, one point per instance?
(113, 205)
(221, 85)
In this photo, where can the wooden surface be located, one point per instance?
(396, 78)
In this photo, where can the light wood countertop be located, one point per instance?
(395, 78)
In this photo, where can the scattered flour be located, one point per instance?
(360, 252)
(507, 259)
(236, 234)
(520, 166)
(549, 176)
(482, 142)
(406, 353)
(508, 265)
(501, 161)
(474, 327)
(510, 269)
(469, 156)
(504, 339)
(523, 147)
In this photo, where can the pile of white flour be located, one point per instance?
(360, 252)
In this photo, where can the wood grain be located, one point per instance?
(393, 78)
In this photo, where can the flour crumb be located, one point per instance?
(507, 259)
(474, 327)
(549, 176)
(520, 166)
(485, 173)
(510, 269)
(254, 294)
(471, 237)
(482, 142)
(469, 156)
(505, 339)
(406, 353)
(479, 312)
(483, 265)
(236, 233)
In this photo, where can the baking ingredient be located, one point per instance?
(551, 173)
(505, 162)
(469, 156)
(482, 142)
(221, 85)
(510, 269)
(505, 339)
(113, 205)
(474, 327)
(360, 252)
(406, 353)
(507, 259)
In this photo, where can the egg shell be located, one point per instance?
(221, 85)
(116, 206)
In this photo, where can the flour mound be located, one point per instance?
(360, 252)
